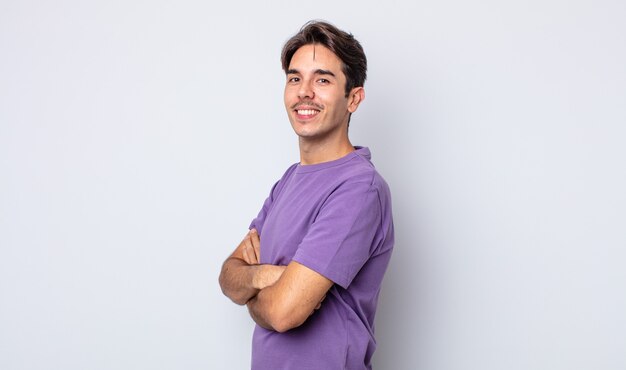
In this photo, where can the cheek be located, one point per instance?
(290, 95)
(286, 98)
(334, 97)
(339, 103)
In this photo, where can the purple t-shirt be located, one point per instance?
(334, 218)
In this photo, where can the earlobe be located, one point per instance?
(357, 95)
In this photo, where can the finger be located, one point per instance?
(246, 257)
(256, 244)
(249, 248)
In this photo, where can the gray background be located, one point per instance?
(138, 139)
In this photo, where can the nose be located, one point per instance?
(306, 91)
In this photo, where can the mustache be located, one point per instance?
(307, 104)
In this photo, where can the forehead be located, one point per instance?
(313, 57)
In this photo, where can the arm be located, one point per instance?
(242, 277)
(291, 300)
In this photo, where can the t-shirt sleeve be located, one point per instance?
(259, 220)
(342, 237)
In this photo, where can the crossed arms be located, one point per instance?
(278, 297)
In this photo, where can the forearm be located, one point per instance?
(270, 310)
(237, 280)
(241, 281)
(288, 303)
(259, 314)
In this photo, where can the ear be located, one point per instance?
(356, 96)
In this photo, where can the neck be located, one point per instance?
(314, 153)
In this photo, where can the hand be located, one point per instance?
(267, 275)
(252, 248)
(319, 305)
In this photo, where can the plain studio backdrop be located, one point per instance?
(139, 138)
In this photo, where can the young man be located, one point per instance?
(311, 266)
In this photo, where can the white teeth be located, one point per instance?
(306, 112)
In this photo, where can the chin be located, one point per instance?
(304, 134)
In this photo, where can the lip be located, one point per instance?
(306, 107)
(306, 117)
(311, 110)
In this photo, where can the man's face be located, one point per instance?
(315, 96)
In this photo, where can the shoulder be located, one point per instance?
(361, 169)
(363, 176)
(358, 183)
(280, 184)
(289, 172)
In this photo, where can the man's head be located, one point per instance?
(325, 70)
(342, 44)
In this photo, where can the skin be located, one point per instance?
(281, 298)
(316, 82)
(242, 277)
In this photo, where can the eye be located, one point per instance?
(323, 81)
(293, 79)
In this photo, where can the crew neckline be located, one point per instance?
(358, 151)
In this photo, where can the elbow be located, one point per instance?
(283, 327)
(237, 299)
(283, 321)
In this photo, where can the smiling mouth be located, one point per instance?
(306, 109)
(307, 112)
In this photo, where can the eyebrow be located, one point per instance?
(317, 72)
(324, 72)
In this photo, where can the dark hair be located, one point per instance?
(342, 44)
